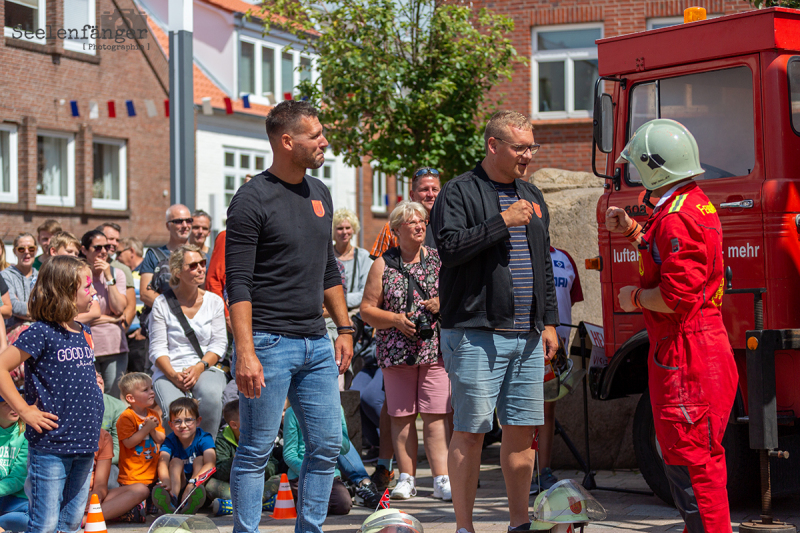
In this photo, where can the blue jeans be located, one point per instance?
(14, 513)
(304, 369)
(58, 489)
(352, 467)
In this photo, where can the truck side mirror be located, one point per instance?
(603, 122)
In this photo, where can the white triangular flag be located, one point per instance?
(207, 106)
(151, 108)
(270, 98)
(94, 111)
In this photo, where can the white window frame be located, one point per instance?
(278, 51)
(122, 203)
(328, 182)
(12, 196)
(379, 193)
(69, 199)
(672, 21)
(404, 187)
(41, 15)
(237, 171)
(568, 56)
(87, 47)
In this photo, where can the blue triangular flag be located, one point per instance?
(74, 105)
(131, 109)
(246, 100)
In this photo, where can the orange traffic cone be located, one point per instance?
(284, 504)
(95, 523)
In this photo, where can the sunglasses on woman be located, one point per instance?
(195, 264)
(29, 249)
(106, 247)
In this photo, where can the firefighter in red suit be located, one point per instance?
(691, 372)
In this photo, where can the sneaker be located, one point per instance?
(196, 501)
(162, 500)
(523, 527)
(221, 507)
(441, 489)
(547, 480)
(269, 504)
(383, 478)
(367, 495)
(137, 515)
(370, 455)
(404, 490)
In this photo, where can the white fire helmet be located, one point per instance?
(390, 521)
(664, 152)
(563, 506)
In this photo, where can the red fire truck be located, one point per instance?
(734, 82)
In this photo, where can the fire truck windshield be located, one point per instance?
(794, 91)
(716, 106)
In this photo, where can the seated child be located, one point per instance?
(114, 407)
(13, 470)
(219, 486)
(186, 453)
(139, 431)
(125, 502)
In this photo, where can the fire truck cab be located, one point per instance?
(734, 82)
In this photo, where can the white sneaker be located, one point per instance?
(404, 490)
(441, 489)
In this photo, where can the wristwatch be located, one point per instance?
(205, 365)
(110, 282)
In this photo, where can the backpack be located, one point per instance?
(159, 284)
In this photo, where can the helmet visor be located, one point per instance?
(566, 501)
(391, 521)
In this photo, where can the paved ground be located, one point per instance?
(626, 512)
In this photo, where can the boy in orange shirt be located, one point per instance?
(139, 431)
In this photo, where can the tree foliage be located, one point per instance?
(404, 82)
(758, 4)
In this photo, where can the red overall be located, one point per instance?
(692, 374)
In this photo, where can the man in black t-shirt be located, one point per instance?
(280, 269)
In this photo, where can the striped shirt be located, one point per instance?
(519, 261)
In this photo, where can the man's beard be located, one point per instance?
(308, 160)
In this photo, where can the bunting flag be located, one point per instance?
(384, 503)
(246, 101)
(386, 200)
(207, 110)
(287, 96)
(228, 106)
(151, 108)
(112, 109)
(94, 111)
(166, 108)
(270, 98)
(73, 104)
(535, 444)
(131, 109)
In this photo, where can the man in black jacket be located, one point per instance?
(498, 311)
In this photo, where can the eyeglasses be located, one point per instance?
(425, 171)
(193, 266)
(520, 149)
(29, 249)
(183, 422)
(179, 221)
(106, 247)
(416, 224)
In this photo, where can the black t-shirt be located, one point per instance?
(279, 253)
(3, 286)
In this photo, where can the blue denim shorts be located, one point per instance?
(494, 369)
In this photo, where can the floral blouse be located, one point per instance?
(392, 347)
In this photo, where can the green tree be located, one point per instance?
(758, 4)
(404, 82)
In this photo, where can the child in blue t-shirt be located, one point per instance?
(186, 453)
(63, 407)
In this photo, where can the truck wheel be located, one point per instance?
(648, 455)
(742, 462)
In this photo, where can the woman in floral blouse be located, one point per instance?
(407, 347)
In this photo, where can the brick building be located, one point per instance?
(91, 168)
(555, 86)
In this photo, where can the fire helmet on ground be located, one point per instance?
(567, 502)
(390, 521)
(664, 152)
